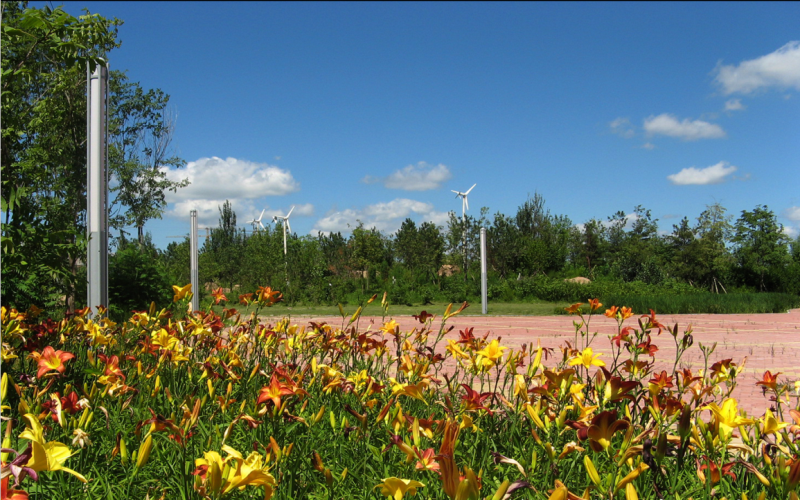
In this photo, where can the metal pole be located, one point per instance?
(193, 261)
(97, 192)
(484, 300)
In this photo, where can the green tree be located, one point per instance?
(761, 248)
(140, 136)
(45, 54)
(223, 250)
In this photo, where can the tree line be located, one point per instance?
(421, 263)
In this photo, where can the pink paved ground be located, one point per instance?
(768, 341)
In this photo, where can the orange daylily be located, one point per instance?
(269, 296)
(50, 359)
(602, 429)
(595, 304)
(218, 296)
(769, 380)
(574, 308)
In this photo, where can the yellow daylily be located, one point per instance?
(181, 292)
(217, 477)
(727, 417)
(46, 455)
(587, 359)
(771, 425)
(395, 487)
(489, 355)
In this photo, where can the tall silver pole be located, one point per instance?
(97, 192)
(193, 261)
(484, 300)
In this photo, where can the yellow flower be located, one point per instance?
(181, 292)
(771, 424)
(727, 417)
(390, 327)
(395, 487)
(489, 355)
(217, 477)
(45, 455)
(587, 358)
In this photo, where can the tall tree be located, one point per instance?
(45, 54)
(762, 248)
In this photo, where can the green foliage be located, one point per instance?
(762, 249)
(136, 278)
(707, 303)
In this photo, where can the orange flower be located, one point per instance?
(269, 296)
(625, 312)
(50, 359)
(218, 295)
(574, 308)
(769, 380)
(595, 304)
(273, 392)
(245, 298)
(611, 312)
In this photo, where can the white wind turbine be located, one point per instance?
(464, 202)
(464, 208)
(285, 219)
(256, 222)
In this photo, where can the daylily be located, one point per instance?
(574, 308)
(595, 304)
(602, 429)
(217, 477)
(50, 359)
(771, 425)
(45, 455)
(587, 358)
(274, 391)
(488, 356)
(269, 296)
(769, 380)
(218, 296)
(473, 400)
(727, 417)
(395, 487)
(390, 327)
(8, 494)
(181, 292)
(415, 391)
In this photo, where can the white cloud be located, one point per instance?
(701, 176)
(215, 178)
(208, 211)
(648, 145)
(779, 69)
(734, 105)
(791, 232)
(419, 177)
(792, 213)
(385, 217)
(688, 130)
(622, 127)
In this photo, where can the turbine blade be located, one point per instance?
(290, 212)
(262, 225)
(286, 220)
(470, 189)
(466, 203)
(262, 215)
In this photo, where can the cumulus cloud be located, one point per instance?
(215, 178)
(622, 127)
(780, 69)
(688, 130)
(387, 216)
(701, 176)
(734, 105)
(419, 177)
(208, 211)
(792, 213)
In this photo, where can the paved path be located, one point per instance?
(768, 341)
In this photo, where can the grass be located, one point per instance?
(708, 303)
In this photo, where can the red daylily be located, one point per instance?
(473, 400)
(274, 391)
(769, 380)
(218, 296)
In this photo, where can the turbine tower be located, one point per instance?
(257, 222)
(285, 219)
(464, 208)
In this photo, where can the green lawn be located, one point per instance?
(374, 309)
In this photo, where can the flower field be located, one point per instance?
(175, 405)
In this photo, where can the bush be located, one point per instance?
(135, 279)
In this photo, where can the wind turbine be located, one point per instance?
(255, 222)
(285, 219)
(464, 208)
(464, 202)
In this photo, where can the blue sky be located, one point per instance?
(375, 111)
